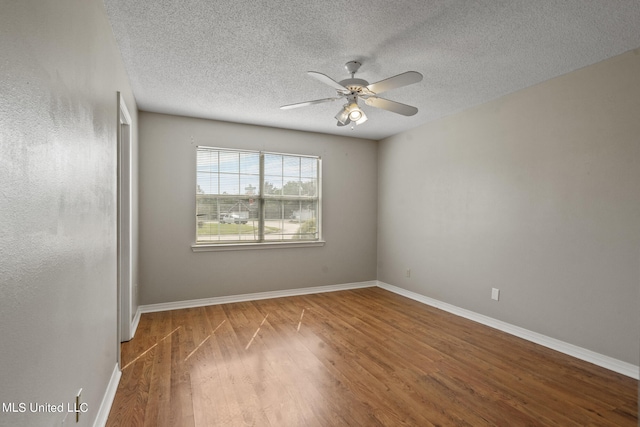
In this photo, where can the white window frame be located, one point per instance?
(262, 198)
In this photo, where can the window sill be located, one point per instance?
(250, 246)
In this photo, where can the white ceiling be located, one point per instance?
(240, 60)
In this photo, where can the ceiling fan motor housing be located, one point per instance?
(354, 85)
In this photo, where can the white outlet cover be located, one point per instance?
(495, 294)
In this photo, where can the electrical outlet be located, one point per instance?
(408, 273)
(495, 294)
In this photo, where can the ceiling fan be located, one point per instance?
(353, 89)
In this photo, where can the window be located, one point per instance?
(256, 197)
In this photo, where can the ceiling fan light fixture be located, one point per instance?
(343, 116)
(354, 88)
(355, 114)
(362, 119)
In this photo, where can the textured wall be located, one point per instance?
(536, 194)
(170, 271)
(60, 74)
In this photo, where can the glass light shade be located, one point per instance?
(343, 116)
(355, 113)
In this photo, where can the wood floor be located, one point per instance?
(363, 357)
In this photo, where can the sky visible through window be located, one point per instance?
(238, 173)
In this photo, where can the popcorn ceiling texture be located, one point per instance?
(240, 60)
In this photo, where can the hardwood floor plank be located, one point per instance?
(212, 406)
(397, 382)
(130, 401)
(528, 357)
(484, 360)
(282, 393)
(244, 368)
(304, 365)
(180, 403)
(364, 357)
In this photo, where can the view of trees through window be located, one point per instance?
(248, 196)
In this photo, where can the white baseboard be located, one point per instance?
(598, 359)
(150, 308)
(135, 322)
(107, 399)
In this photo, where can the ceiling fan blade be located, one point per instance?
(327, 80)
(393, 106)
(306, 103)
(394, 82)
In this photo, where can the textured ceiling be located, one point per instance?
(240, 60)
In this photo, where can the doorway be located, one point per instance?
(125, 219)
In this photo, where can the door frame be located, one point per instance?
(125, 221)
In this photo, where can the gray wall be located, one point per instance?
(170, 271)
(537, 194)
(60, 71)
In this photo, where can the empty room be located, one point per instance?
(420, 213)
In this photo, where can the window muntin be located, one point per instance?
(256, 197)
